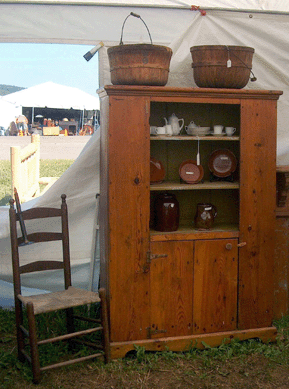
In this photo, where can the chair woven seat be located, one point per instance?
(71, 297)
(67, 299)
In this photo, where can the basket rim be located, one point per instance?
(222, 47)
(146, 46)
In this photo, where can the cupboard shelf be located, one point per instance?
(194, 138)
(206, 185)
(219, 231)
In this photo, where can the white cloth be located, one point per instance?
(81, 184)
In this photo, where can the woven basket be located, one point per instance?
(211, 70)
(139, 64)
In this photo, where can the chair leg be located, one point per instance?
(20, 335)
(33, 343)
(104, 323)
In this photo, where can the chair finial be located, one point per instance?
(11, 202)
(63, 196)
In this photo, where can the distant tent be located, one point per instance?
(8, 112)
(52, 95)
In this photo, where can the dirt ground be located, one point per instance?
(250, 372)
(51, 147)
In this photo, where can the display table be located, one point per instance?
(51, 131)
(70, 126)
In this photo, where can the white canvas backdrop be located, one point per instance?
(81, 184)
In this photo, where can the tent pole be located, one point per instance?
(83, 118)
(32, 118)
(95, 248)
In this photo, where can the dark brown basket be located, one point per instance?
(139, 64)
(210, 66)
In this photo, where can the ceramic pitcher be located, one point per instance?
(205, 216)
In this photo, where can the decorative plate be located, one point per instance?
(190, 172)
(157, 171)
(222, 163)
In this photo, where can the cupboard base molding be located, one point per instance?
(185, 343)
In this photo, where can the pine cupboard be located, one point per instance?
(178, 289)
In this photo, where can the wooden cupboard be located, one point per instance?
(178, 289)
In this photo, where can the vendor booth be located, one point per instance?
(46, 105)
(190, 285)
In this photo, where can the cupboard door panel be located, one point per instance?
(257, 212)
(171, 287)
(215, 286)
(128, 217)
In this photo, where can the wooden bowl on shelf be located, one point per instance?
(222, 163)
(190, 172)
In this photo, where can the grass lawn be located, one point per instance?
(241, 365)
(48, 168)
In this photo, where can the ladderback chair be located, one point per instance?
(66, 299)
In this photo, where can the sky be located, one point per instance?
(29, 64)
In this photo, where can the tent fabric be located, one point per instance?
(81, 184)
(52, 95)
(8, 112)
(279, 5)
(89, 22)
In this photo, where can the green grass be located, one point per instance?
(246, 364)
(48, 168)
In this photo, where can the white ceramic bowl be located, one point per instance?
(198, 131)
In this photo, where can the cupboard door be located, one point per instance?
(128, 217)
(215, 285)
(171, 287)
(257, 213)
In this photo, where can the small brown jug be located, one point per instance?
(167, 212)
(205, 216)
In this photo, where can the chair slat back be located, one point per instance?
(37, 237)
(40, 213)
(40, 266)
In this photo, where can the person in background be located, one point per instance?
(22, 124)
(13, 130)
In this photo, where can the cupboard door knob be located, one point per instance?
(229, 246)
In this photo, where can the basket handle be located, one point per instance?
(136, 16)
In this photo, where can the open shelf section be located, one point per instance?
(206, 185)
(223, 231)
(195, 138)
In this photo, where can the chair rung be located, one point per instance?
(90, 344)
(89, 319)
(26, 355)
(24, 330)
(71, 361)
(69, 336)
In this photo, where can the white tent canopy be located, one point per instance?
(89, 21)
(52, 95)
(8, 112)
(261, 24)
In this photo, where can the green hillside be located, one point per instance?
(6, 89)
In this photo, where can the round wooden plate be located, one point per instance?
(190, 172)
(222, 163)
(157, 171)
